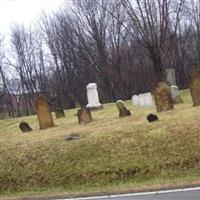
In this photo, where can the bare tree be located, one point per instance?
(5, 91)
(154, 24)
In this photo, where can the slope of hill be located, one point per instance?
(110, 151)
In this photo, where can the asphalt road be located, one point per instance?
(179, 194)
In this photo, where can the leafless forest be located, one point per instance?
(122, 45)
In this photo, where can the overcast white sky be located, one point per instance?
(24, 11)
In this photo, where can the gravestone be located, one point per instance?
(43, 113)
(59, 113)
(123, 111)
(152, 118)
(194, 84)
(77, 104)
(163, 97)
(176, 95)
(84, 115)
(135, 100)
(171, 76)
(93, 97)
(145, 100)
(24, 127)
(171, 79)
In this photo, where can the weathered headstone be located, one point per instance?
(152, 118)
(176, 95)
(194, 84)
(84, 115)
(43, 113)
(93, 97)
(24, 127)
(163, 97)
(171, 76)
(77, 104)
(59, 113)
(123, 111)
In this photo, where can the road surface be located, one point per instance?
(178, 194)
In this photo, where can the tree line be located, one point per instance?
(122, 45)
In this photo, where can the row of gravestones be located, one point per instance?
(45, 118)
(84, 115)
(162, 93)
(166, 96)
(145, 100)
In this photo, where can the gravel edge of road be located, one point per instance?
(167, 186)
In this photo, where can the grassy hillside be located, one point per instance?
(111, 150)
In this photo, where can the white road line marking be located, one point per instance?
(135, 194)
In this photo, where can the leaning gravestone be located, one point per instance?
(123, 111)
(163, 97)
(194, 84)
(24, 127)
(84, 115)
(43, 113)
(59, 113)
(93, 97)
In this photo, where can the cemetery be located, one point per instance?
(99, 97)
(99, 148)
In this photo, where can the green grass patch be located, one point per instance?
(111, 151)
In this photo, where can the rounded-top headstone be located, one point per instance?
(24, 127)
(123, 111)
(152, 118)
(163, 97)
(43, 113)
(120, 104)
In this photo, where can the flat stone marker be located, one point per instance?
(59, 113)
(93, 97)
(123, 111)
(24, 127)
(194, 84)
(163, 97)
(171, 76)
(72, 136)
(176, 95)
(43, 113)
(84, 115)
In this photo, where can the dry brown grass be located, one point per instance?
(110, 149)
